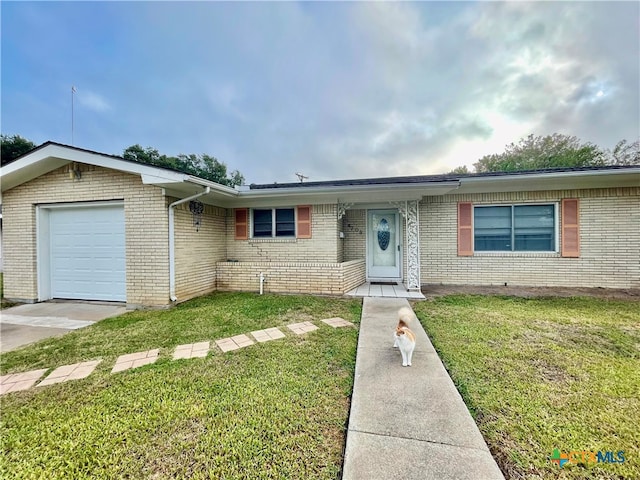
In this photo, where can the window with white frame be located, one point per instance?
(515, 228)
(273, 222)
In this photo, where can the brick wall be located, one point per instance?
(322, 247)
(197, 252)
(609, 235)
(147, 259)
(354, 226)
(311, 278)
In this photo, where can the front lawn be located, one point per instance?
(271, 410)
(546, 374)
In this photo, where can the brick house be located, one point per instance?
(85, 225)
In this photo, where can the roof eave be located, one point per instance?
(344, 194)
(628, 177)
(52, 156)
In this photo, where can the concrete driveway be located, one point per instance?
(30, 323)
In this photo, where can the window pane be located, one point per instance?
(492, 228)
(285, 222)
(534, 227)
(262, 223)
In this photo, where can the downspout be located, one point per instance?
(172, 243)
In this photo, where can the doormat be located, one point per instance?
(395, 284)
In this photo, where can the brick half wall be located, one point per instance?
(311, 278)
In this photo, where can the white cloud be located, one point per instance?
(332, 89)
(92, 100)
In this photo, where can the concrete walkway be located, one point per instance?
(30, 323)
(408, 422)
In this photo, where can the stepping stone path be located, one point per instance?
(135, 360)
(303, 327)
(191, 350)
(19, 381)
(268, 334)
(70, 372)
(337, 322)
(15, 382)
(234, 343)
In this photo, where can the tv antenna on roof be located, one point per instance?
(301, 177)
(73, 90)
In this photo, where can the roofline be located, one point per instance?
(445, 178)
(218, 186)
(347, 188)
(50, 142)
(411, 186)
(61, 154)
(553, 173)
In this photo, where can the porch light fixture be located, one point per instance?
(74, 171)
(196, 208)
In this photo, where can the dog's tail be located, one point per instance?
(405, 316)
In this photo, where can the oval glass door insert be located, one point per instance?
(384, 235)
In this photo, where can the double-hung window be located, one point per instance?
(515, 228)
(273, 222)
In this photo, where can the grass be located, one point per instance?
(272, 410)
(544, 374)
(537, 375)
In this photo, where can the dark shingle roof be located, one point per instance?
(448, 177)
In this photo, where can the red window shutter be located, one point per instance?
(242, 223)
(570, 227)
(304, 221)
(465, 229)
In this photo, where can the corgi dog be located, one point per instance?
(404, 338)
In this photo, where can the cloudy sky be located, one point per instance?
(332, 90)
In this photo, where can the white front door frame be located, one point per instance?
(391, 273)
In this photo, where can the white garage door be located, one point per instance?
(87, 253)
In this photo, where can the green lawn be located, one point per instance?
(273, 410)
(545, 374)
(537, 374)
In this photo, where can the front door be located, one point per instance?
(383, 245)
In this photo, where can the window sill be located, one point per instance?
(516, 254)
(273, 240)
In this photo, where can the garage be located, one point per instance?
(82, 252)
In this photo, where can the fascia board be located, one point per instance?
(551, 181)
(51, 157)
(219, 188)
(357, 193)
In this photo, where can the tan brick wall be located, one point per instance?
(353, 274)
(146, 218)
(197, 252)
(322, 247)
(609, 235)
(354, 226)
(311, 278)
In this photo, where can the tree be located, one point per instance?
(535, 153)
(13, 146)
(460, 170)
(203, 166)
(625, 153)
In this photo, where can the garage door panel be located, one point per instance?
(87, 251)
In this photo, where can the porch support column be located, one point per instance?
(409, 210)
(342, 209)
